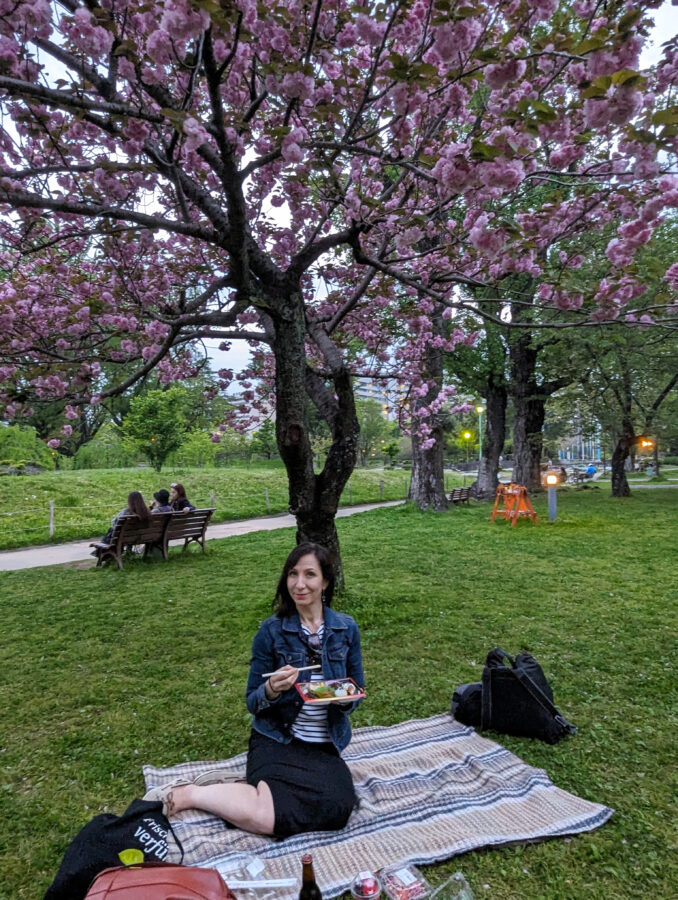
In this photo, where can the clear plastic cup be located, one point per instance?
(366, 886)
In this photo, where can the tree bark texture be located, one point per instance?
(314, 498)
(528, 400)
(427, 486)
(496, 397)
(622, 449)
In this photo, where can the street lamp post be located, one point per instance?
(551, 482)
(480, 409)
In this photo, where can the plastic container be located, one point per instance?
(455, 888)
(366, 886)
(404, 882)
(329, 691)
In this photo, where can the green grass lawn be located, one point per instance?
(102, 671)
(86, 500)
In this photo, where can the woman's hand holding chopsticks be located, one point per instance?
(282, 680)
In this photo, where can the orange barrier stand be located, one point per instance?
(511, 503)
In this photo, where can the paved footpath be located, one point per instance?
(78, 551)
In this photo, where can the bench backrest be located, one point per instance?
(133, 531)
(188, 524)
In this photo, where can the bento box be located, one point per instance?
(329, 691)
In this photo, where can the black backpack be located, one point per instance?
(512, 699)
(97, 846)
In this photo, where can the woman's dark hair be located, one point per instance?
(137, 506)
(283, 604)
(179, 490)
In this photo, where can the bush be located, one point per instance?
(21, 447)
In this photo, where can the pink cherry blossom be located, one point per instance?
(499, 75)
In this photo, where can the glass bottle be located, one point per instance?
(309, 888)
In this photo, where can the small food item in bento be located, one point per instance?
(365, 886)
(320, 690)
(327, 691)
(404, 883)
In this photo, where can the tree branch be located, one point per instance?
(65, 100)
(35, 201)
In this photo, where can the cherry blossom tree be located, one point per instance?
(306, 175)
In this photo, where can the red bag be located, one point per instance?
(159, 881)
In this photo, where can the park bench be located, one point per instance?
(129, 531)
(188, 526)
(460, 495)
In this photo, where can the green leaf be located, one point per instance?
(210, 6)
(628, 20)
(481, 150)
(544, 111)
(669, 133)
(665, 117)
(175, 116)
(125, 47)
(465, 12)
(491, 54)
(584, 137)
(626, 76)
(592, 43)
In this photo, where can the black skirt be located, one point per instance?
(311, 784)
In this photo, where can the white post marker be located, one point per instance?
(551, 482)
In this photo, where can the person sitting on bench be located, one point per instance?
(160, 502)
(178, 499)
(136, 506)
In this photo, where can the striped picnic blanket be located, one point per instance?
(429, 789)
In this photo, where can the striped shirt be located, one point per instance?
(311, 723)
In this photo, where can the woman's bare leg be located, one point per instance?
(246, 807)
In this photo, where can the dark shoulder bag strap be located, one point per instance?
(537, 694)
(496, 659)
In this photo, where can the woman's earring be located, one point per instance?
(322, 596)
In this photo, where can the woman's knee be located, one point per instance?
(262, 811)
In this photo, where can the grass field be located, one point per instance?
(85, 501)
(102, 671)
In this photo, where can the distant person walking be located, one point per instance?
(178, 499)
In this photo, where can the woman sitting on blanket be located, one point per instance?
(296, 779)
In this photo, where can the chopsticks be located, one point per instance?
(300, 669)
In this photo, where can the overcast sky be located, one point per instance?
(666, 25)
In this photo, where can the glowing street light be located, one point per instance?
(480, 409)
(551, 482)
(467, 437)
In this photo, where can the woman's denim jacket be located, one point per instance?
(280, 642)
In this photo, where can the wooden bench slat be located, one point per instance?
(460, 495)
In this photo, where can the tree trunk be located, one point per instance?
(622, 449)
(530, 412)
(314, 498)
(493, 438)
(427, 485)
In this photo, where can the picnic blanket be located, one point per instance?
(429, 789)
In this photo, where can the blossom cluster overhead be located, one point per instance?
(184, 169)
